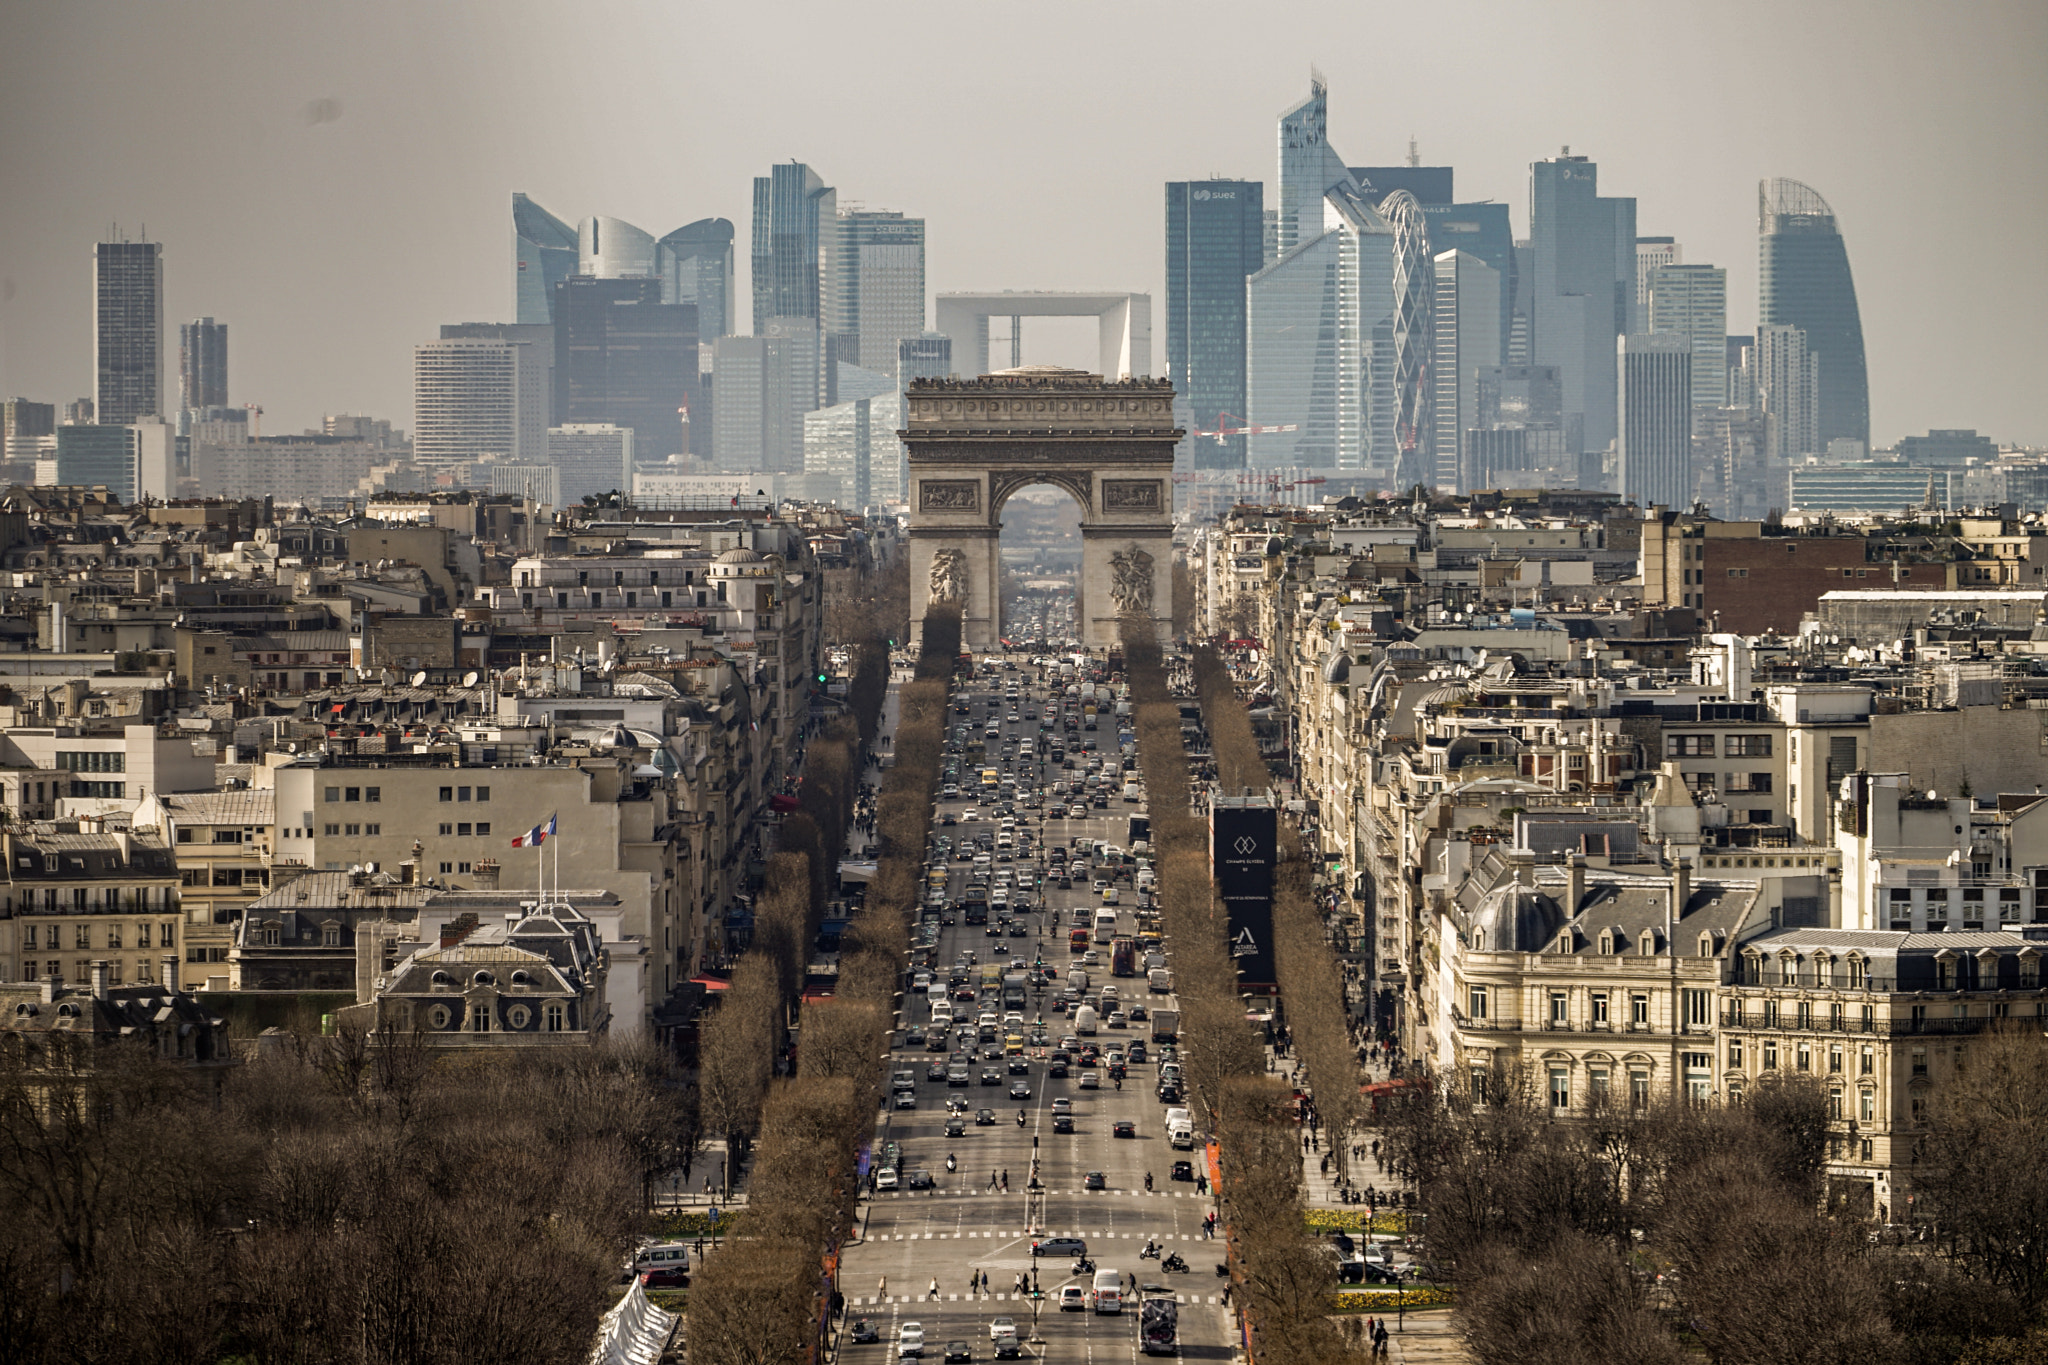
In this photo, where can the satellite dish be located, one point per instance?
(355, 867)
(419, 679)
(370, 868)
(469, 678)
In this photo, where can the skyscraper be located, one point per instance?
(590, 458)
(132, 461)
(1654, 379)
(878, 289)
(613, 249)
(1431, 185)
(1414, 285)
(28, 431)
(1215, 241)
(543, 255)
(1582, 295)
(1481, 231)
(540, 336)
(1804, 282)
(1652, 255)
(928, 355)
(128, 331)
(796, 222)
(696, 266)
(624, 357)
(1692, 301)
(761, 388)
(472, 398)
(1467, 336)
(202, 364)
(1308, 167)
(1787, 378)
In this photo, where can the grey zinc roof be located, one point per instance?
(250, 806)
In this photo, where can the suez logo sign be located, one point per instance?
(1215, 194)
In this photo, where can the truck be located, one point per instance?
(1122, 957)
(1165, 1025)
(1159, 1324)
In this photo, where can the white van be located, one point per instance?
(1108, 1295)
(1085, 1020)
(662, 1256)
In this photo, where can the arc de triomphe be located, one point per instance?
(973, 442)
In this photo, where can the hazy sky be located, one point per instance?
(333, 180)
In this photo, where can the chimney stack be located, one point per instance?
(1681, 887)
(170, 965)
(99, 980)
(1575, 882)
(487, 874)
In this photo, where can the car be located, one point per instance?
(1123, 1128)
(1019, 930)
(1063, 1123)
(907, 1100)
(984, 1117)
(885, 1179)
(936, 1043)
(863, 1331)
(1095, 1180)
(991, 1076)
(1182, 1170)
(1020, 1090)
(1137, 1052)
(920, 1179)
(1046, 1247)
(1089, 1081)
(959, 1350)
(1138, 1015)
(1073, 1299)
(956, 1126)
(910, 1340)
(1020, 1066)
(935, 1072)
(1062, 1105)
(665, 1277)
(1002, 1327)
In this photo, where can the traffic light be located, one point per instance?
(821, 680)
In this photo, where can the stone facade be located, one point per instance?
(974, 443)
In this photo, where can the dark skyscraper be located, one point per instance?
(203, 364)
(796, 222)
(1215, 238)
(623, 356)
(1805, 283)
(128, 331)
(543, 255)
(1583, 293)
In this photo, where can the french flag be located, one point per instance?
(536, 836)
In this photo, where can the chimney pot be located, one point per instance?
(99, 980)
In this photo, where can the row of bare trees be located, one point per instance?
(1646, 1235)
(1283, 1281)
(763, 1299)
(335, 1198)
(1239, 765)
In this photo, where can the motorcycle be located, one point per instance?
(951, 1164)
(1222, 1271)
(1150, 1252)
(1083, 1266)
(1174, 1265)
(1020, 1118)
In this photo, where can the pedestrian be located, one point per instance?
(1006, 1182)
(1226, 1293)
(934, 1290)
(1326, 1163)
(1379, 1340)
(1304, 1142)
(991, 1180)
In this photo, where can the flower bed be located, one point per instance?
(1390, 1223)
(1382, 1300)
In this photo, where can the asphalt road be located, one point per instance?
(913, 1237)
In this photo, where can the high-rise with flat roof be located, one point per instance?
(796, 224)
(1692, 301)
(1215, 241)
(1652, 255)
(539, 335)
(1467, 341)
(543, 255)
(1804, 282)
(878, 289)
(475, 397)
(1786, 376)
(28, 430)
(128, 331)
(131, 461)
(202, 364)
(1654, 380)
(1582, 296)
(624, 357)
(591, 458)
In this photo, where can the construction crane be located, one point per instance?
(1223, 428)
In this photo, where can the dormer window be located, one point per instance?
(483, 979)
(1788, 970)
(1647, 945)
(1706, 945)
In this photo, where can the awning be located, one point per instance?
(710, 983)
(782, 805)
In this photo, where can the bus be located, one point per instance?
(1122, 957)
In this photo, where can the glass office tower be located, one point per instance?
(1215, 241)
(1654, 381)
(202, 364)
(624, 357)
(878, 287)
(1414, 314)
(796, 219)
(543, 255)
(1805, 283)
(1692, 300)
(1582, 295)
(695, 263)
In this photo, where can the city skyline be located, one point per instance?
(1945, 345)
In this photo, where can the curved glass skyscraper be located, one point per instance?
(1805, 283)
(1414, 312)
(543, 255)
